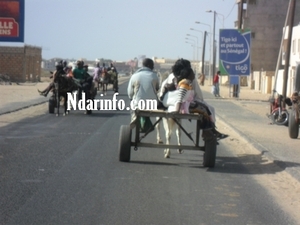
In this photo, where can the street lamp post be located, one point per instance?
(216, 13)
(235, 87)
(197, 31)
(197, 43)
(193, 48)
(214, 42)
(211, 54)
(196, 48)
(203, 49)
(194, 45)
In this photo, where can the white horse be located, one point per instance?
(169, 125)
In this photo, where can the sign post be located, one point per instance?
(234, 54)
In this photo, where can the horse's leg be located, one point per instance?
(168, 130)
(57, 103)
(65, 105)
(158, 139)
(178, 134)
(104, 89)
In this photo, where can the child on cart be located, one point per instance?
(178, 96)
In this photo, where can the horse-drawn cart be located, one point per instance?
(125, 138)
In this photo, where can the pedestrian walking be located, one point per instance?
(216, 84)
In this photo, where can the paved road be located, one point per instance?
(247, 115)
(65, 170)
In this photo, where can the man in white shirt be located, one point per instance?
(142, 85)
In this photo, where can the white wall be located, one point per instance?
(265, 83)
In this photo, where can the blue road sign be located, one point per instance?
(234, 51)
(234, 79)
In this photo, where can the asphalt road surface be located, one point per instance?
(65, 170)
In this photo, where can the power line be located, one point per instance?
(230, 10)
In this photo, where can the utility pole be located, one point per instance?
(203, 53)
(240, 15)
(288, 50)
(240, 25)
(214, 45)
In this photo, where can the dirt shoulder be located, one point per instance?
(283, 187)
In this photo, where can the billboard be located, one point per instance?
(234, 51)
(12, 20)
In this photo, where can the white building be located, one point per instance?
(294, 61)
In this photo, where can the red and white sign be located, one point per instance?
(8, 27)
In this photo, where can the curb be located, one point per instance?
(23, 107)
(242, 99)
(264, 151)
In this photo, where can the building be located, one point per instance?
(49, 65)
(21, 64)
(122, 67)
(293, 80)
(265, 19)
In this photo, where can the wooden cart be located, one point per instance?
(125, 137)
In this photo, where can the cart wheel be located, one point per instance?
(124, 143)
(51, 104)
(293, 125)
(209, 157)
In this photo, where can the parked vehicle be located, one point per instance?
(294, 102)
(278, 114)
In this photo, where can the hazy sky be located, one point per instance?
(121, 29)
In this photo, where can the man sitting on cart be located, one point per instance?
(142, 85)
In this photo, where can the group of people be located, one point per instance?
(105, 75)
(216, 84)
(81, 77)
(180, 93)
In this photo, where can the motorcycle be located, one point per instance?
(278, 114)
(294, 103)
